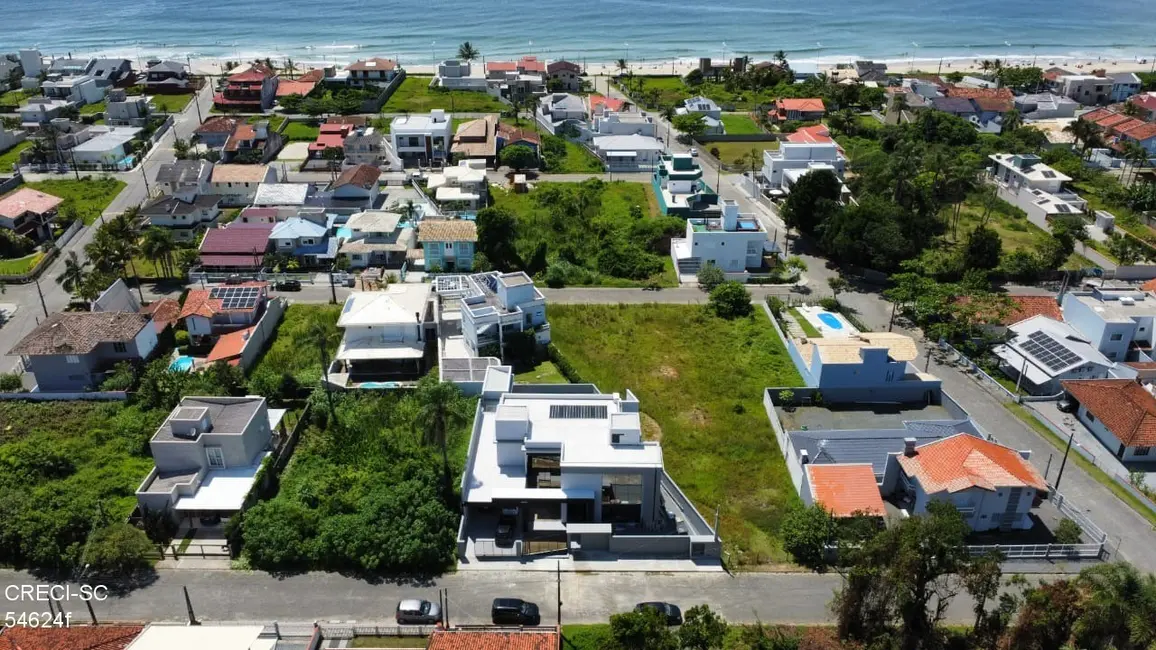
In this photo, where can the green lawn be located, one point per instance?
(597, 636)
(300, 131)
(543, 373)
(171, 103)
(389, 642)
(20, 265)
(294, 349)
(9, 158)
(1095, 472)
(731, 153)
(88, 196)
(673, 91)
(15, 98)
(1014, 229)
(90, 109)
(804, 324)
(700, 379)
(415, 96)
(740, 124)
(578, 159)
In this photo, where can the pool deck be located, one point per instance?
(829, 324)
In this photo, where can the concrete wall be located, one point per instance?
(650, 545)
(1099, 331)
(988, 506)
(266, 327)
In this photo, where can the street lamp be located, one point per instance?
(1060, 474)
(432, 55)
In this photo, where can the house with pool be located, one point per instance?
(736, 243)
(680, 188)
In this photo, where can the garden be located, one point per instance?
(171, 103)
(415, 96)
(286, 353)
(700, 381)
(87, 198)
(559, 154)
(9, 158)
(589, 233)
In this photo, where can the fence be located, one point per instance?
(175, 551)
(1092, 530)
(105, 396)
(345, 631)
(261, 333)
(1041, 551)
(972, 369)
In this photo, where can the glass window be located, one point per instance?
(120, 347)
(72, 358)
(216, 457)
(1117, 337)
(1142, 451)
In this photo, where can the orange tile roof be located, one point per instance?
(1112, 119)
(1023, 308)
(229, 346)
(963, 461)
(363, 176)
(501, 66)
(817, 134)
(255, 72)
(165, 312)
(243, 133)
(104, 637)
(808, 105)
(200, 302)
(1142, 133)
(975, 93)
(993, 104)
(378, 64)
(27, 200)
(471, 640)
(301, 87)
(845, 489)
(595, 101)
(1122, 405)
(1098, 114)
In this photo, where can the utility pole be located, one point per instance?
(558, 574)
(41, 294)
(197, 93)
(891, 321)
(145, 176)
(1064, 462)
(928, 363)
(1023, 369)
(332, 288)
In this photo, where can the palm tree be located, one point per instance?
(1084, 132)
(158, 246)
(668, 114)
(181, 148)
(1012, 120)
(438, 412)
(290, 67)
(467, 52)
(75, 272)
(1119, 608)
(985, 65)
(1131, 109)
(1136, 155)
(621, 63)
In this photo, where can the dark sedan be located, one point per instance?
(670, 611)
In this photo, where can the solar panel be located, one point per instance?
(1048, 173)
(236, 297)
(1049, 351)
(577, 412)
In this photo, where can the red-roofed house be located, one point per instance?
(330, 136)
(29, 212)
(247, 143)
(165, 312)
(1147, 104)
(237, 247)
(565, 77)
(214, 311)
(1121, 413)
(519, 79)
(599, 104)
(799, 110)
(1119, 129)
(230, 346)
(993, 486)
(844, 489)
(540, 639)
(302, 85)
(817, 134)
(79, 637)
(977, 93)
(251, 90)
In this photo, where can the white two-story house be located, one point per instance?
(423, 139)
(1117, 322)
(785, 165)
(504, 304)
(733, 242)
(385, 336)
(187, 203)
(1027, 183)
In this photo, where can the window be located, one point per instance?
(1091, 418)
(216, 457)
(119, 347)
(72, 358)
(1117, 337)
(1141, 451)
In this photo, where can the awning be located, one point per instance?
(539, 494)
(622, 154)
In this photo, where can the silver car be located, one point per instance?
(414, 611)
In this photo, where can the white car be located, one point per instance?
(694, 151)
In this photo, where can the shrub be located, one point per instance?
(830, 304)
(123, 377)
(776, 305)
(181, 338)
(11, 382)
(118, 549)
(806, 532)
(710, 276)
(1068, 532)
(730, 300)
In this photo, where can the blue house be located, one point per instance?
(448, 244)
(680, 189)
(306, 240)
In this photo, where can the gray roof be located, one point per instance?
(872, 445)
(953, 104)
(227, 415)
(182, 171)
(171, 205)
(102, 68)
(167, 66)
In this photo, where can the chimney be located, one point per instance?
(909, 447)
(804, 457)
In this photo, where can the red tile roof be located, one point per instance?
(237, 238)
(218, 124)
(1098, 114)
(247, 261)
(1112, 119)
(104, 637)
(200, 302)
(595, 101)
(532, 64)
(229, 346)
(295, 87)
(501, 66)
(364, 176)
(1023, 308)
(165, 312)
(378, 64)
(845, 489)
(817, 134)
(1147, 100)
(556, 66)
(963, 461)
(471, 640)
(1142, 133)
(808, 105)
(27, 200)
(1122, 406)
(976, 93)
(993, 104)
(1128, 126)
(255, 72)
(513, 134)
(243, 133)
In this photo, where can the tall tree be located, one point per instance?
(497, 235)
(75, 272)
(158, 246)
(467, 52)
(439, 404)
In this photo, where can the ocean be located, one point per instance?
(596, 31)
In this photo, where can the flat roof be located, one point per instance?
(218, 637)
(281, 194)
(398, 304)
(1137, 304)
(223, 489)
(848, 417)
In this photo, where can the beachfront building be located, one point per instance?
(1027, 183)
(79, 90)
(39, 111)
(252, 90)
(1045, 106)
(564, 76)
(385, 338)
(422, 139)
(166, 77)
(1087, 89)
(448, 244)
(376, 238)
(376, 71)
(454, 74)
(680, 189)
(557, 110)
(1041, 352)
(29, 213)
(567, 468)
(517, 80)
(1124, 86)
(109, 72)
(709, 110)
(731, 241)
(797, 110)
(1118, 322)
(463, 185)
(783, 166)
(207, 455)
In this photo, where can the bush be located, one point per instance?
(730, 300)
(710, 276)
(123, 377)
(118, 549)
(181, 338)
(806, 532)
(1068, 532)
(777, 306)
(11, 382)
(830, 304)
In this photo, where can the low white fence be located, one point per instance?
(96, 396)
(1040, 551)
(343, 631)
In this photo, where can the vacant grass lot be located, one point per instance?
(9, 158)
(732, 153)
(294, 349)
(389, 642)
(15, 98)
(701, 379)
(88, 196)
(415, 96)
(171, 103)
(300, 131)
(578, 159)
(740, 124)
(673, 91)
(20, 265)
(1014, 229)
(90, 109)
(543, 373)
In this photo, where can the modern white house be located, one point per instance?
(499, 305)
(1045, 106)
(709, 110)
(994, 487)
(1087, 89)
(106, 145)
(620, 123)
(628, 153)
(868, 366)
(376, 238)
(422, 138)
(733, 242)
(1037, 189)
(41, 110)
(800, 157)
(680, 189)
(1117, 322)
(1121, 413)
(1041, 352)
(556, 110)
(568, 468)
(454, 74)
(80, 90)
(385, 339)
(1124, 86)
(464, 183)
(208, 453)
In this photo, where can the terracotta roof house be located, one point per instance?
(564, 76)
(375, 71)
(77, 637)
(29, 212)
(975, 93)
(238, 184)
(598, 104)
(240, 246)
(1121, 413)
(477, 139)
(1119, 129)
(72, 351)
(357, 184)
(230, 346)
(302, 85)
(251, 90)
(817, 134)
(993, 486)
(800, 110)
(494, 640)
(1022, 308)
(216, 129)
(330, 135)
(511, 135)
(845, 489)
(214, 311)
(248, 143)
(164, 312)
(448, 244)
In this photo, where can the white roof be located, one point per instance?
(109, 140)
(455, 194)
(218, 637)
(1019, 351)
(374, 347)
(1120, 306)
(295, 227)
(1037, 171)
(281, 194)
(223, 489)
(374, 221)
(396, 305)
(420, 124)
(633, 142)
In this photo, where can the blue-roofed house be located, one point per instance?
(305, 240)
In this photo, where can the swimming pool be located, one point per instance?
(830, 320)
(345, 232)
(183, 363)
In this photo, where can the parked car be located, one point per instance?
(414, 611)
(694, 151)
(287, 285)
(514, 611)
(507, 522)
(672, 613)
(1067, 405)
(234, 279)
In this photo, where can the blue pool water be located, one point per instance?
(830, 320)
(379, 384)
(345, 232)
(468, 216)
(182, 364)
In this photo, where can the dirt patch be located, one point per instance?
(697, 417)
(650, 428)
(667, 372)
